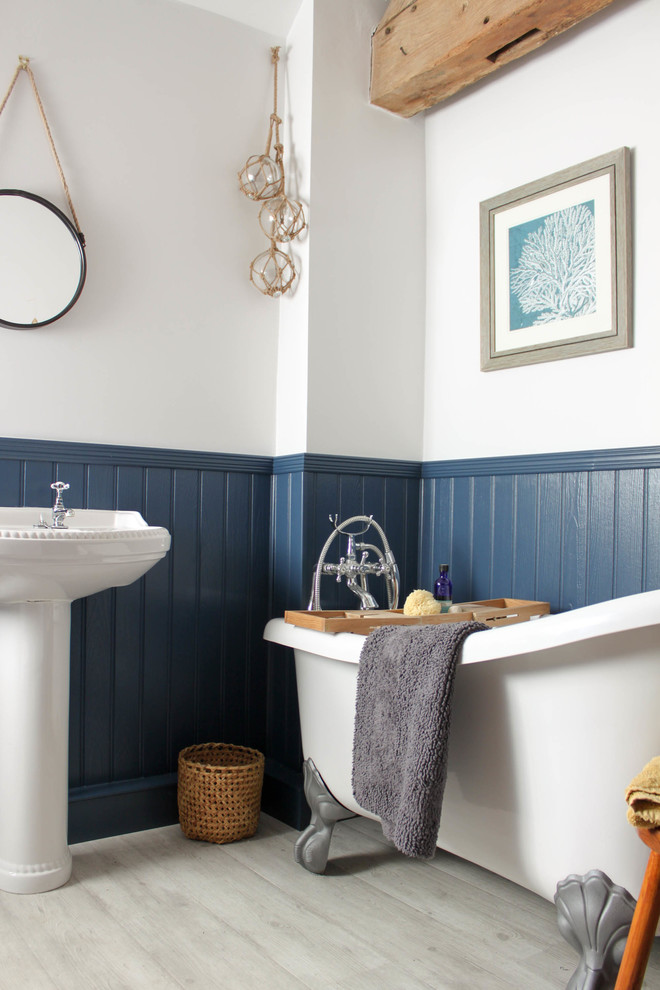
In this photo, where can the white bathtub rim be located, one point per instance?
(602, 619)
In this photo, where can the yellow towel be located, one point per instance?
(643, 796)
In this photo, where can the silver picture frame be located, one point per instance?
(556, 265)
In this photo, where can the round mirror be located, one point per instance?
(42, 261)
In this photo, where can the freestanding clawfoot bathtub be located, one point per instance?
(551, 720)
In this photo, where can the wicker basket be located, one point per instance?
(219, 791)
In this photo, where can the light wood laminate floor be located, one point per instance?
(156, 910)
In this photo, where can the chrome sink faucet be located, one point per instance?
(60, 512)
(357, 569)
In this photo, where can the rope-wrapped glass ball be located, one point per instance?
(273, 272)
(261, 177)
(282, 219)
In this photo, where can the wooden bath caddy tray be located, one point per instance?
(493, 612)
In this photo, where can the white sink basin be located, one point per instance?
(99, 549)
(42, 571)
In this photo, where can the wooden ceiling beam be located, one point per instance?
(426, 50)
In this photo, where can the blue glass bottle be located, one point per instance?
(442, 590)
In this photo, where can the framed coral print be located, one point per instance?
(556, 266)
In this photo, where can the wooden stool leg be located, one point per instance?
(645, 919)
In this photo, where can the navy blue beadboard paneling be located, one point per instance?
(286, 584)
(526, 527)
(572, 460)
(159, 617)
(69, 452)
(502, 519)
(334, 464)
(178, 657)
(524, 535)
(392, 499)
(307, 489)
(652, 530)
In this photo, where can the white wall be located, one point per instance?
(587, 92)
(297, 76)
(352, 335)
(366, 252)
(154, 107)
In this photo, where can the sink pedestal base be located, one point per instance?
(34, 746)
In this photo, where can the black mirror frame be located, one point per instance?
(80, 243)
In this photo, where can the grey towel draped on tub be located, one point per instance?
(402, 720)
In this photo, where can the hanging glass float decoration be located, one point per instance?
(273, 271)
(262, 178)
(282, 219)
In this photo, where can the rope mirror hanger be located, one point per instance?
(42, 257)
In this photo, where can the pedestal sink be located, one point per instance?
(42, 570)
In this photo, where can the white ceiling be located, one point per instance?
(272, 16)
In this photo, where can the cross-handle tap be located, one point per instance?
(60, 512)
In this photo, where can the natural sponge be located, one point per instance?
(421, 603)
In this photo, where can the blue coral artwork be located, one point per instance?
(552, 267)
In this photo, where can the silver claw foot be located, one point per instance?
(594, 915)
(313, 845)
